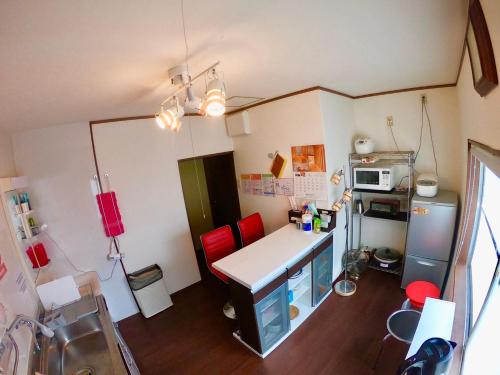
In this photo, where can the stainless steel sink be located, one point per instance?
(79, 349)
(87, 346)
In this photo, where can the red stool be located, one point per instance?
(417, 292)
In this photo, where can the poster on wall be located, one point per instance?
(256, 179)
(268, 184)
(246, 184)
(283, 186)
(310, 158)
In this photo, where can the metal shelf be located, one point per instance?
(406, 158)
(391, 192)
(384, 157)
(400, 216)
(396, 271)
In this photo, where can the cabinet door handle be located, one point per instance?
(425, 263)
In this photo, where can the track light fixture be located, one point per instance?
(213, 104)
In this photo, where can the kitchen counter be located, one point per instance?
(276, 283)
(257, 264)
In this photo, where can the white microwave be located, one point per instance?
(374, 178)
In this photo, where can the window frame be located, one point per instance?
(459, 282)
(469, 328)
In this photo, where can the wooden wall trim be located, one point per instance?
(206, 156)
(486, 148)
(118, 119)
(294, 93)
(406, 90)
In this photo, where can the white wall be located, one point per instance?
(7, 166)
(142, 162)
(312, 118)
(59, 164)
(14, 298)
(278, 125)
(405, 108)
(338, 124)
(480, 121)
(480, 117)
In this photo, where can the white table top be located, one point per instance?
(436, 321)
(257, 264)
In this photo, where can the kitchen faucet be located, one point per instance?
(23, 320)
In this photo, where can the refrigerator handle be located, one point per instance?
(425, 263)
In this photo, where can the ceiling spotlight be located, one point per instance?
(215, 98)
(170, 118)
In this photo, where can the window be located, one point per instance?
(483, 274)
(483, 257)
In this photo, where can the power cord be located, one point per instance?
(432, 138)
(421, 129)
(424, 110)
(394, 138)
(77, 269)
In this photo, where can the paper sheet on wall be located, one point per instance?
(268, 184)
(283, 186)
(257, 188)
(311, 185)
(246, 184)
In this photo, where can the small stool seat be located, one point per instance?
(401, 325)
(418, 291)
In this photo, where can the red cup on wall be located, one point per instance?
(37, 255)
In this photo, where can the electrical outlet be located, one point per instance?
(423, 97)
(390, 121)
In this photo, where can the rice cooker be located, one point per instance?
(364, 146)
(427, 185)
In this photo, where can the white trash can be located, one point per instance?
(149, 290)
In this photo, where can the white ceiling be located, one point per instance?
(65, 61)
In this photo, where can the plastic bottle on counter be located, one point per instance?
(307, 223)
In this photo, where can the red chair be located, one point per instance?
(251, 229)
(216, 245)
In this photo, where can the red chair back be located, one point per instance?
(218, 244)
(251, 229)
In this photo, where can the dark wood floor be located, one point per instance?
(341, 337)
